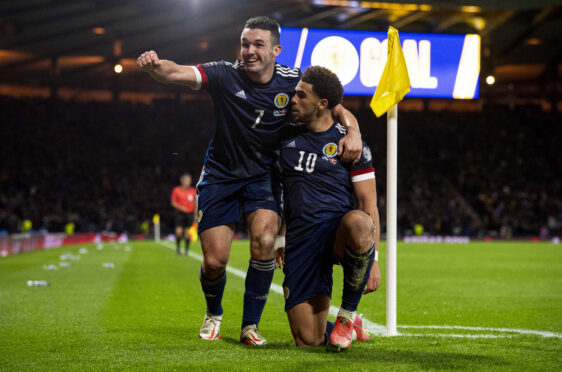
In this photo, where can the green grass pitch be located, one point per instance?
(145, 313)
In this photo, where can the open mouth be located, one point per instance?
(251, 61)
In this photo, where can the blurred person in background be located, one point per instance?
(183, 199)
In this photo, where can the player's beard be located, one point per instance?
(302, 117)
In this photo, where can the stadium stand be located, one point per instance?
(106, 166)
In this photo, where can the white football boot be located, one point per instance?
(211, 328)
(251, 336)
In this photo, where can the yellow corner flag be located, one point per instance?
(395, 82)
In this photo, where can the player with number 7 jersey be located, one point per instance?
(248, 117)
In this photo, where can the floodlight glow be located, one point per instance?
(490, 79)
(118, 68)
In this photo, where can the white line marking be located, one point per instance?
(373, 328)
(380, 330)
(546, 334)
(452, 335)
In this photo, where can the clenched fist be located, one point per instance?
(148, 61)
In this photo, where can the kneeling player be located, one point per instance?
(323, 228)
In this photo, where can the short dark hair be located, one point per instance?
(265, 23)
(325, 84)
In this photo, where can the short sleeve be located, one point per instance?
(212, 74)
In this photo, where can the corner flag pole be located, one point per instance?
(391, 217)
(393, 86)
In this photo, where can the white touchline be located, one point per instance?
(546, 334)
(380, 330)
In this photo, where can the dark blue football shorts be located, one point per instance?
(226, 202)
(309, 258)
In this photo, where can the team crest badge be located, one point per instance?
(286, 292)
(199, 216)
(330, 150)
(281, 100)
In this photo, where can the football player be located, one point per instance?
(323, 227)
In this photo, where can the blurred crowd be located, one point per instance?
(99, 165)
(105, 166)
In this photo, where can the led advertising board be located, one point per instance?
(439, 65)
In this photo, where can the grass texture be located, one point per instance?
(145, 312)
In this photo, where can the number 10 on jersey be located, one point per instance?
(310, 162)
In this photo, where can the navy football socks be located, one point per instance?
(258, 281)
(356, 269)
(213, 290)
(329, 328)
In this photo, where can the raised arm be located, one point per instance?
(366, 194)
(169, 72)
(350, 146)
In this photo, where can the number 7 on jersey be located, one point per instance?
(260, 112)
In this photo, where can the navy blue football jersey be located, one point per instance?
(248, 118)
(316, 185)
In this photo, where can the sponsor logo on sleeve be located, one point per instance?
(367, 153)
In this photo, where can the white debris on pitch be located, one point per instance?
(69, 256)
(37, 283)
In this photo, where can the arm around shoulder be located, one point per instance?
(349, 146)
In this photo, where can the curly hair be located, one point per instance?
(265, 23)
(325, 84)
